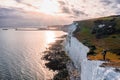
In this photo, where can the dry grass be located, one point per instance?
(109, 57)
(111, 42)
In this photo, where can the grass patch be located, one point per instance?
(110, 42)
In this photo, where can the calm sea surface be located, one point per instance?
(21, 52)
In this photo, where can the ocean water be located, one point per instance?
(21, 52)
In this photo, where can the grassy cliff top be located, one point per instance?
(100, 34)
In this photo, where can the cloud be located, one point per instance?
(90, 8)
(61, 2)
(10, 13)
(78, 12)
(118, 1)
(11, 16)
(66, 10)
(27, 4)
(106, 2)
(18, 17)
(19, 1)
(27, 12)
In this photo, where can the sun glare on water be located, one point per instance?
(50, 37)
(49, 7)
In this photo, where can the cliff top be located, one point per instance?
(100, 34)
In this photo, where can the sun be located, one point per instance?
(49, 7)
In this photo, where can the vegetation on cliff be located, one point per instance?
(100, 34)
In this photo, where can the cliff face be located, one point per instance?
(89, 70)
(75, 48)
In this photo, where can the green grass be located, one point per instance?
(111, 42)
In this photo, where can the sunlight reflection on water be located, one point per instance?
(21, 52)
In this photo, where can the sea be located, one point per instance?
(21, 53)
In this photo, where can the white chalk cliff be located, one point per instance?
(89, 70)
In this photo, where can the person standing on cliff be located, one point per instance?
(104, 54)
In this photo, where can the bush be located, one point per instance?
(114, 36)
(91, 52)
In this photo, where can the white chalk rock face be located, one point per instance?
(72, 28)
(76, 50)
(90, 70)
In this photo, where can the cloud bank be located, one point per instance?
(27, 12)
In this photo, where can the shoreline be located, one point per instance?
(30, 29)
(58, 60)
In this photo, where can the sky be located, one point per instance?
(53, 12)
